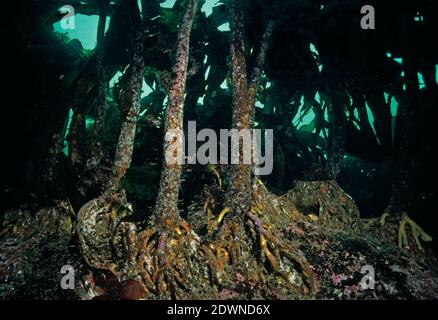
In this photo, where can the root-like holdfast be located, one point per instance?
(417, 232)
(238, 239)
(238, 253)
(398, 223)
(170, 260)
(268, 214)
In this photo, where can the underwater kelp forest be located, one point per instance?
(219, 149)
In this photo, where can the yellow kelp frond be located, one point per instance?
(222, 214)
(213, 170)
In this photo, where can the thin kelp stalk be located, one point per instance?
(75, 141)
(94, 163)
(238, 196)
(254, 83)
(167, 200)
(336, 142)
(78, 148)
(131, 105)
(101, 83)
(85, 90)
(256, 74)
(51, 184)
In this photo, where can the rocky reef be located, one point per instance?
(300, 245)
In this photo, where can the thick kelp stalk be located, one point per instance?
(169, 258)
(232, 238)
(245, 242)
(238, 196)
(167, 200)
(244, 98)
(99, 219)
